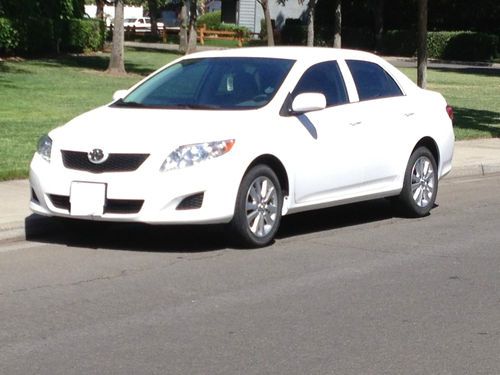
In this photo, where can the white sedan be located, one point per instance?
(245, 136)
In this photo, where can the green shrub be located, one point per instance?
(471, 46)
(212, 20)
(9, 37)
(241, 30)
(437, 42)
(452, 45)
(83, 35)
(37, 36)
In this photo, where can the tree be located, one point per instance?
(187, 32)
(269, 25)
(99, 13)
(183, 28)
(193, 16)
(422, 44)
(153, 10)
(378, 22)
(116, 61)
(311, 8)
(337, 28)
(310, 11)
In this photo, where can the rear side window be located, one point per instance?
(324, 78)
(372, 81)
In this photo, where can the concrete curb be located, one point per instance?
(480, 170)
(36, 225)
(33, 225)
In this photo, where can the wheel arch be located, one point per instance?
(277, 166)
(431, 145)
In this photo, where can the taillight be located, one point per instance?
(451, 114)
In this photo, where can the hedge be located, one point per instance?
(212, 21)
(450, 45)
(37, 36)
(83, 35)
(472, 46)
(40, 36)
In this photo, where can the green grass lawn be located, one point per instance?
(39, 95)
(474, 97)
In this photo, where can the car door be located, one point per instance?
(386, 117)
(328, 158)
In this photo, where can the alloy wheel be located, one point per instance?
(261, 206)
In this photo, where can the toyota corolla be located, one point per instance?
(245, 136)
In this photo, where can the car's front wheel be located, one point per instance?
(257, 212)
(420, 184)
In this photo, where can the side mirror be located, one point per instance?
(120, 94)
(308, 102)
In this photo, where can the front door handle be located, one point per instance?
(356, 123)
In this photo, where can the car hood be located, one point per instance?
(147, 130)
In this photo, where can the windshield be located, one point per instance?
(212, 83)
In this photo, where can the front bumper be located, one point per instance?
(145, 195)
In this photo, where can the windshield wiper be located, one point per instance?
(122, 103)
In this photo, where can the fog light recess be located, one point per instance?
(191, 202)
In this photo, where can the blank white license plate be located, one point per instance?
(87, 199)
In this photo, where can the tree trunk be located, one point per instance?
(116, 61)
(193, 12)
(422, 44)
(153, 10)
(337, 27)
(378, 18)
(269, 24)
(99, 13)
(311, 6)
(183, 30)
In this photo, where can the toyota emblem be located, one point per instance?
(97, 156)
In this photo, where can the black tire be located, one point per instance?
(255, 224)
(420, 185)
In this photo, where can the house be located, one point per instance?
(249, 13)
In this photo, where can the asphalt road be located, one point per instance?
(351, 290)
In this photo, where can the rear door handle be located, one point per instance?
(356, 123)
(409, 114)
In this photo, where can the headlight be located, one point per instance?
(188, 155)
(45, 147)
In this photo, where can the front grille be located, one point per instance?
(192, 202)
(60, 201)
(123, 206)
(115, 162)
(111, 206)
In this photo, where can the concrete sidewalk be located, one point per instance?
(472, 158)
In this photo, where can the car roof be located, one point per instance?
(294, 53)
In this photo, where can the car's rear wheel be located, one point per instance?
(257, 214)
(420, 184)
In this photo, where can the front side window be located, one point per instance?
(212, 83)
(324, 78)
(372, 81)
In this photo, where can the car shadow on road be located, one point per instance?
(192, 239)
